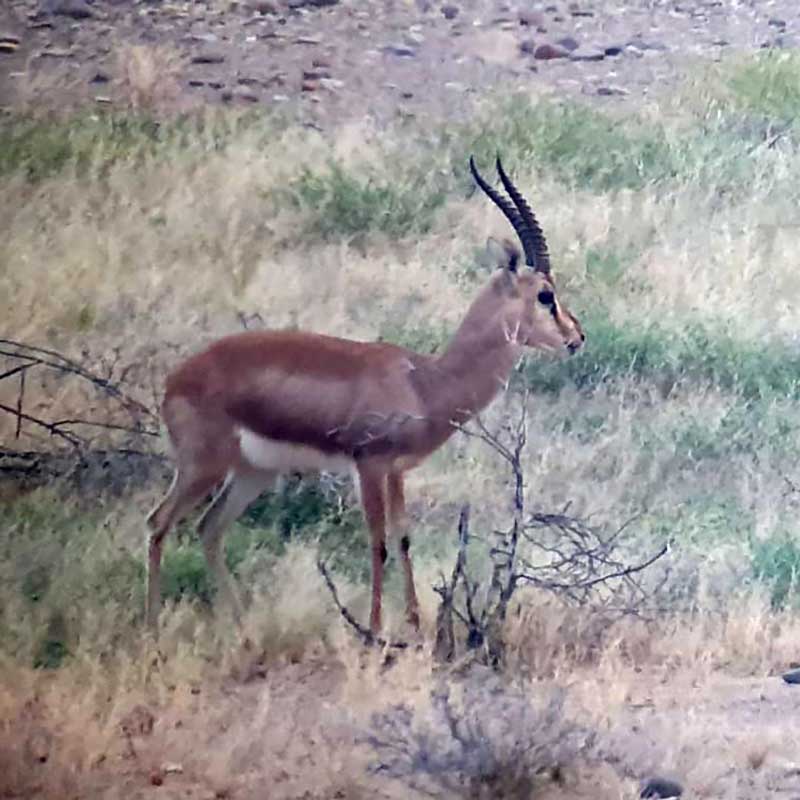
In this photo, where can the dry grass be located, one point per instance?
(683, 410)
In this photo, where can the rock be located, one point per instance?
(613, 50)
(414, 38)
(195, 83)
(208, 57)
(611, 91)
(55, 52)
(587, 54)
(103, 99)
(308, 40)
(100, 77)
(527, 46)
(309, 86)
(548, 52)
(8, 47)
(661, 788)
(577, 11)
(74, 9)
(216, 84)
(401, 50)
(568, 43)
(450, 11)
(264, 6)
(531, 19)
(206, 38)
(9, 38)
(239, 93)
(792, 677)
(315, 74)
(777, 23)
(331, 84)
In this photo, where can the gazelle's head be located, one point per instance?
(532, 312)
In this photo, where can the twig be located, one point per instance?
(365, 634)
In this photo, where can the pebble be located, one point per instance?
(548, 52)
(661, 788)
(8, 47)
(74, 9)
(587, 54)
(792, 677)
(568, 43)
(612, 91)
(401, 50)
(208, 58)
(527, 46)
(450, 11)
(531, 19)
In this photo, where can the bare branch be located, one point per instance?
(364, 634)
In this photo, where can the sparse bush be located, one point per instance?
(768, 85)
(340, 202)
(479, 739)
(776, 564)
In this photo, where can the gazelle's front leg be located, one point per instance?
(399, 527)
(372, 482)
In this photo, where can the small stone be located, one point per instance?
(587, 54)
(531, 19)
(527, 46)
(55, 52)
(315, 74)
(74, 9)
(216, 84)
(414, 38)
(8, 47)
(264, 6)
(401, 50)
(792, 677)
(207, 38)
(320, 63)
(194, 82)
(661, 788)
(548, 52)
(9, 38)
(208, 58)
(308, 40)
(450, 11)
(568, 43)
(775, 22)
(248, 80)
(611, 91)
(331, 84)
(102, 99)
(309, 86)
(613, 50)
(100, 77)
(156, 777)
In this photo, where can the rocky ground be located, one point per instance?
(332, 60)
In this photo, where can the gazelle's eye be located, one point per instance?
(546, 297)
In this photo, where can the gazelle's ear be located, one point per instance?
(502, 255)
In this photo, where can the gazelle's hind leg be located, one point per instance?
(186, 492)
(241, 488)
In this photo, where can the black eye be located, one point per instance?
(546, 297)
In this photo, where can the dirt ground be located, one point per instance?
(328, 62)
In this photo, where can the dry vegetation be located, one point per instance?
(674, 238)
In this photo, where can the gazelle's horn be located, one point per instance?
(531, 235)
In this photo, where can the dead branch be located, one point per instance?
(366, 635)
(556, 552)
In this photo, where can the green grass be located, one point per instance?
(42, 147)
(668, 357)
(768, 85)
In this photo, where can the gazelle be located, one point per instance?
(259, 403)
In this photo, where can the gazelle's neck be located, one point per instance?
(477, 362)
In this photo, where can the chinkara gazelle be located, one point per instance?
(257, 404)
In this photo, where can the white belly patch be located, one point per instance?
(269, 454)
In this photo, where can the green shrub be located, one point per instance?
(768, 85)
(776, 563)
(340, 202)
